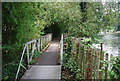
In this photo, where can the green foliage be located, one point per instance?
(25, 21)
(32, 62)
(36, 55)
(70, 58)
(9, 73)
(114, 73)
(95, 18)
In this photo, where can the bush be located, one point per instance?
(114, 73)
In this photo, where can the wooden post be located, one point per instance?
(101, 64)
(79, 57)
(95, 65)
(101, 59)
(106, 68)
(73, 49)
(77, 53)
(111, 56)
(98, 63)
(65, 47)
(89, 69)
(101, 45)
(82, 61)
(86, 61)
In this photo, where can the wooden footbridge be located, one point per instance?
(48, 66)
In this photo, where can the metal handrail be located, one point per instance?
(61, 50)
(38, 43)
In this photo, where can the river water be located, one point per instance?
(111, 43)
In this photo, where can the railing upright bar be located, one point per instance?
(49, 38)
(45, 40)
(28, 54)
(61, 50)
(20, 63)
(40, 42)
(33, 49)
(23, 67)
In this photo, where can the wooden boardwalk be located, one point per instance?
(47, 66)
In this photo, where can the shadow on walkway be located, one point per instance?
(50, 55)
(47, 67)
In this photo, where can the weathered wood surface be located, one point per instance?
(89, 60)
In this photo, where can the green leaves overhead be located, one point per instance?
(31, 18)
(24, 21)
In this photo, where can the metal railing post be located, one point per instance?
(38, 43)
(28, 54)
(33, 49)
(61, 50)
(41, 42)
(20, 63)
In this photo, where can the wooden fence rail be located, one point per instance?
(89, 60)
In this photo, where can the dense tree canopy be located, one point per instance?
(25, 21)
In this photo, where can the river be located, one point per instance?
(111, 44)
